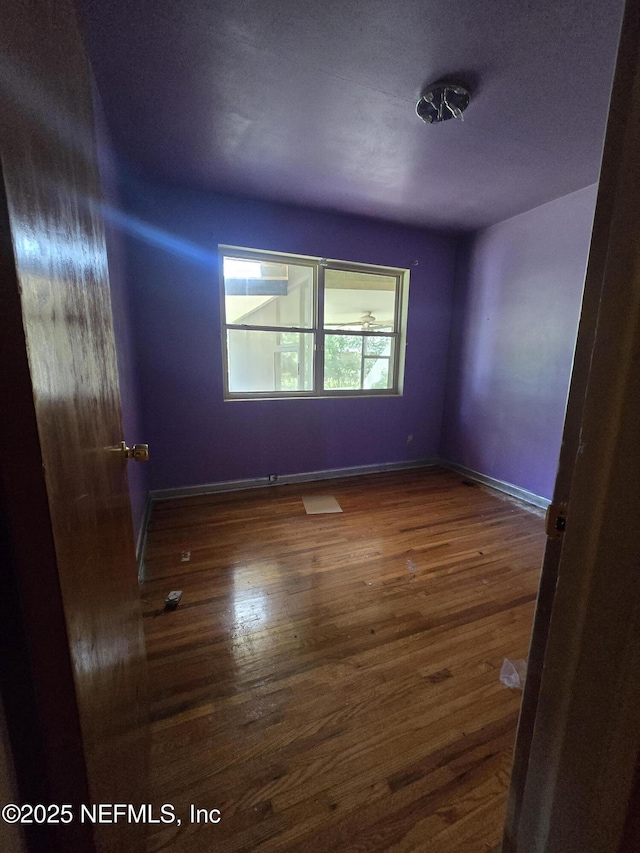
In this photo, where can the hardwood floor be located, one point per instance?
(331, 682)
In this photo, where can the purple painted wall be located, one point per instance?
(515, 317)
(195, 437)
(127, 368)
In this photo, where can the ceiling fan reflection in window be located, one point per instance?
(368, 323)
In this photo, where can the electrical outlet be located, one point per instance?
(409, 439)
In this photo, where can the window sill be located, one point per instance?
(336, 395)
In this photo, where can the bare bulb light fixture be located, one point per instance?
(443, 101)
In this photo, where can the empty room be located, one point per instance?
(292, 366)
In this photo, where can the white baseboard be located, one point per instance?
(499, 485)
(308, 477)
(142, 538)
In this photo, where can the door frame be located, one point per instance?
(579, 731)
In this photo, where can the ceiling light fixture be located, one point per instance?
(443, 101)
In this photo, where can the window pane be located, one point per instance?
(359, 301)
(376, 373)
(287, 370)
(269, 361)
(267, 294)
(357, 362)
(377, 346)
(342, 362)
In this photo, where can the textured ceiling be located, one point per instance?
(314, 102)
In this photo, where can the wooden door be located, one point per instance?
(74, 694)
(579, 732)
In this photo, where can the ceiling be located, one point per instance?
(313, 103)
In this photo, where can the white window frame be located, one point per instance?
(318, 266)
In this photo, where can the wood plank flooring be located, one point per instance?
(331, 682)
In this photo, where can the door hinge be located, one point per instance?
(556, 520)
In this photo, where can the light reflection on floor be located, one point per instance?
(250, 609)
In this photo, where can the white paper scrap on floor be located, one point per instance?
(317, 504)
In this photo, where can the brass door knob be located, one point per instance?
(139, 452)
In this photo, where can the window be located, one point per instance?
(306, 327)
